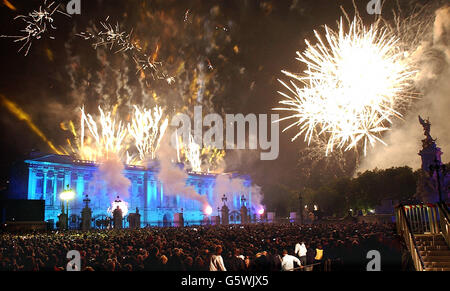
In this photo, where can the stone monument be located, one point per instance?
(62, 219)
(117, 218)
(225, 211)
(134, 219)
(434, 181)
(244, 215)
(86, 215)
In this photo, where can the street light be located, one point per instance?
(66, 195)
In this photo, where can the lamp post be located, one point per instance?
(66, 196)
(437, 167)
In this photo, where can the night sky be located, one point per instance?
(248, 43)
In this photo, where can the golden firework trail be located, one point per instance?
(9, 5)
(22, 115)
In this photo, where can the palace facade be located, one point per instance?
(49, 175)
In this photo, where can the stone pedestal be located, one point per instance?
(178, 220)
(134, 220)
(62, 221)
(86, 216)
(244, 215)
(117, 218)
(225, 215)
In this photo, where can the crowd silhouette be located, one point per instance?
(253, 247)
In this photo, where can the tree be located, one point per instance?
(364, 192)
(280, 199)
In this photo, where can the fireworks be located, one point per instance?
(195, 157)
(22, 115)
(108, 137)
(147, 129)
(38, 23)
(103, 143)
(111, 36)
(354, 84)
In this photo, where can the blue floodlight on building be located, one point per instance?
(49, 175)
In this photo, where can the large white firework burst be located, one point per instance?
(355, 82)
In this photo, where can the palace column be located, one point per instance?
(161, 193)
(67, 179)
(55, 188)
(31, 183)
(44, 186)
(148, 195)
(210, 192)
(80, 187)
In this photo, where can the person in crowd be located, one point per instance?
(236, 262)
(287, 263)
(301, 251)
(252, 247)
(261, 262)
(217, 260)
(153, 260)
(318, 259)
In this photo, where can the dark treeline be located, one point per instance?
(363, 192)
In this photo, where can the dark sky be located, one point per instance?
(267, 34)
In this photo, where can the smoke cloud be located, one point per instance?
(404, 139)
(109, 180)
(227, 185)
(173, 177)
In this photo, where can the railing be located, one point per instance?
(423, 218)
(444, 221)
(404, 228)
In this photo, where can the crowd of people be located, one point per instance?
(253, 247)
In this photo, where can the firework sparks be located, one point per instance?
(105, 137)
(187, 15)
(192, 153)
(111, 36)
(354, 84)
(38, 23)
(147, 129)
(196, 157)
